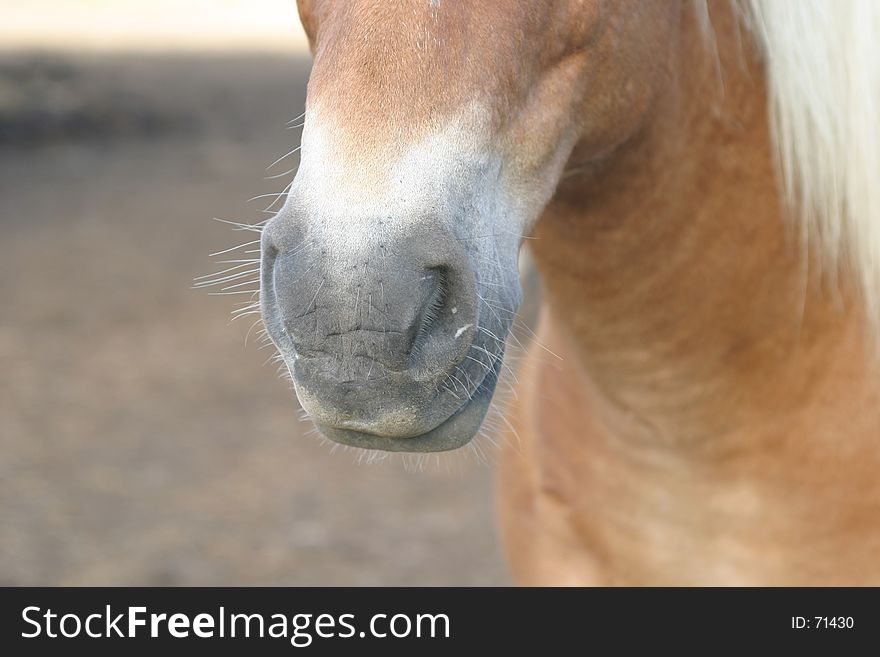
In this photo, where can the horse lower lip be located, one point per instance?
(454, 432)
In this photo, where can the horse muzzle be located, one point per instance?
(380, 332)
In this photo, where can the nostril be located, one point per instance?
(267, 274)
(433, 307)
(268, 296)
(445, 322)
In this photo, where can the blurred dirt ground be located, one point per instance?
(141, 441)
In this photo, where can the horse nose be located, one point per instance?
(371, 332)
(370, 319)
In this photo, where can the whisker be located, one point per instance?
(232, 287)
(233, 248)
(217, 273)
(279, 175)
(286, 155)
(225, 279)
(256, 228)
(248, 334)
(222, 294)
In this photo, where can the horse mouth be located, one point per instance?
(454, 432)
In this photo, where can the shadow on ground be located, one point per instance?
(142, 441)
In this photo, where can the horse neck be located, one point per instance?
(672, 274)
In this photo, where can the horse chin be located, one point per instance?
(454, 432)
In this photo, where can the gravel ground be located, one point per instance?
(142, 441)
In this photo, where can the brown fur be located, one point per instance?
(716, 417)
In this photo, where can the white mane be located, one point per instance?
(822, 61)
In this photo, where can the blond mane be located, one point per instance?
(822, 62)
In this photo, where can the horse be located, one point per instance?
(697, 184)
